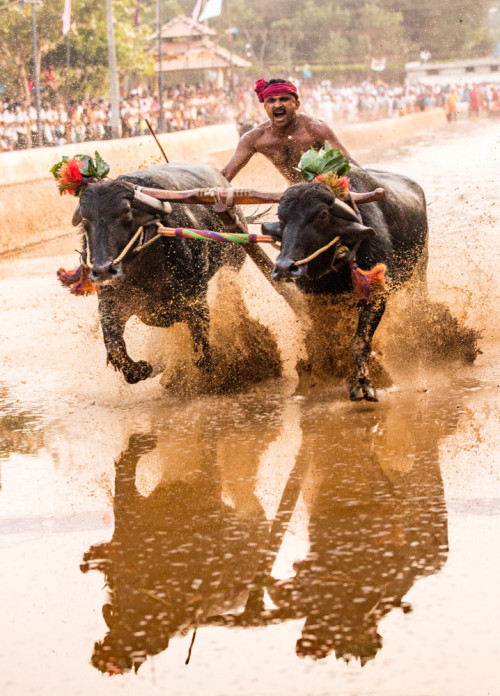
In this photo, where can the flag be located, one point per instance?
(378, 64)
(66, 18)
(212, 9)
(196, 12)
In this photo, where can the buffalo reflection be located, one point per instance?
(184, 557)
(377, 524)
(188, 550)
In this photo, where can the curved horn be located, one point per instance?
(77, 216)
(342, 210)
(151, 202)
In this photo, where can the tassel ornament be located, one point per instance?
(77, 281)
(368, 283)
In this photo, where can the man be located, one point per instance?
(286, 135)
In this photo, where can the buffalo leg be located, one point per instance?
(199, 324)
(113, 325)
(370, 314)
(99, 556)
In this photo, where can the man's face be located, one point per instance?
(281, 110)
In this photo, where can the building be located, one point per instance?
(189, 52)
(458, 72)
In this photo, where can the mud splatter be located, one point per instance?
(244, 351)
(427, 332)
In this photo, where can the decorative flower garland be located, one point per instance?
(328, 166)
(73, 174)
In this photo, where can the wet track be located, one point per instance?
(309, 545)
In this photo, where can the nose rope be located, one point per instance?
(89, 262)
(140, 231)
(139, 235)
(335, 240)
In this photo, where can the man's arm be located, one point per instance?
(244, 151)
(325, 133)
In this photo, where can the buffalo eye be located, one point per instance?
(323, 216)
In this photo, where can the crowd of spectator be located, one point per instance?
(192, 106)
(370, 101)
(184, 107)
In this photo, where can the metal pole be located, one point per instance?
(36, 75)
(161, 123)
(113, 76)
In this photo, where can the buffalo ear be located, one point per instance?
(273, 229)
(352, 232)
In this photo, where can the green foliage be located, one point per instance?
(328, 159)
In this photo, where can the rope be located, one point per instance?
(139, 233)
(89, 262)
(317, 253)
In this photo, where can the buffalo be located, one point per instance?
(392, 231)
(166, 281)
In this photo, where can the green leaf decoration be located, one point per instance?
(327, 159)
(101, 167)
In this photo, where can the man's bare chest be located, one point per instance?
(286, 150)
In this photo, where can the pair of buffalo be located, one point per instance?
(167, 281)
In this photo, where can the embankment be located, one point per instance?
(31, 210)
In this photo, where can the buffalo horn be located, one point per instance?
(342, 210)
(152, 202)
(77, 216)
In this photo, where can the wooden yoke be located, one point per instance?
(218, 195)
(208, 196)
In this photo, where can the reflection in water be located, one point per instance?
(187, 551)
(374, 529)
(189, 555)
(20, 431)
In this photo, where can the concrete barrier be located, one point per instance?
(31, 209)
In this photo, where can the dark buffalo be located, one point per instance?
(392, 231)
(167, 281)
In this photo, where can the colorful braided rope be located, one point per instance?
(186, 233)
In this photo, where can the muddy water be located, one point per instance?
(307, 544)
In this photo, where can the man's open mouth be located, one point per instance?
(278, 113)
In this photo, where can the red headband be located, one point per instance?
(263, 89)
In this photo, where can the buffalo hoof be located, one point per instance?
(137, 372)
(363, 390)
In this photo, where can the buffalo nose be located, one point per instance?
(283, 268)
(100, 273)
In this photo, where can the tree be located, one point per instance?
(16, 54)
(448, 29)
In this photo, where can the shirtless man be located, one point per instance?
(286, 135)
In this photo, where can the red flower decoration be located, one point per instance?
(70, 177)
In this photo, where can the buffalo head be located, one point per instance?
(108, 221)
(309, 218)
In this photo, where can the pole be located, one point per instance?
(113, 76)
(231, 65)
(36, 75)
(161, 123)
(66, 76)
